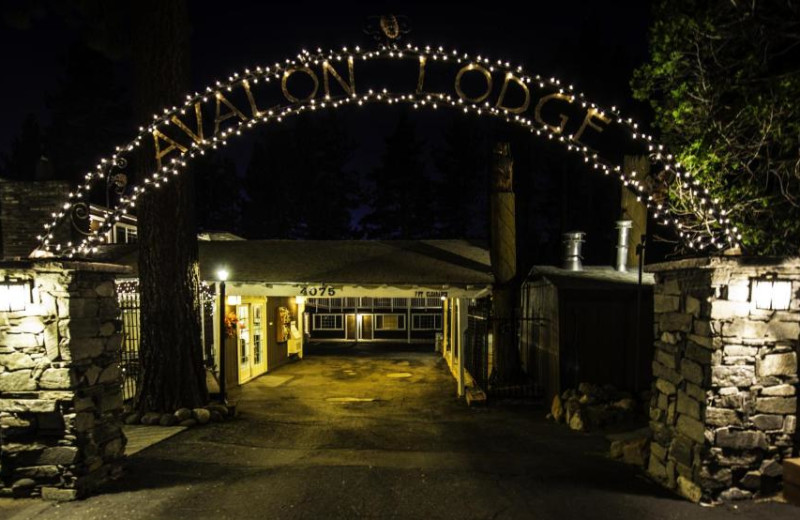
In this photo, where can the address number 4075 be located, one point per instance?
(323, 290)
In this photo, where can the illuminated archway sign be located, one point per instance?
(423, 77)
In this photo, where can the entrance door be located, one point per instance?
(244, 342)
(350, 327)
(365, 331)
(259, 345)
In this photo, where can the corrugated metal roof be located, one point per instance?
(363, 262)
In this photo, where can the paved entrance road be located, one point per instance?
(353, 435)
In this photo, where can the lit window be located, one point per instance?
(328, 322)
(390, 322)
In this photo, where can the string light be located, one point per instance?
(700, 227)
(130, 287)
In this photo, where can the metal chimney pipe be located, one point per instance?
(624, 229)
(572, 242)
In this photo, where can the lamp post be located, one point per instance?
(222, 275)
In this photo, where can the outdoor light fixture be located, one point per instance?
(222, 275)
(771, 294)
(15, 295)
(299, 300)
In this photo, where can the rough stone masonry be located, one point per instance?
(60, 382)
(724, 405)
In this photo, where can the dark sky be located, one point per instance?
(592, 44)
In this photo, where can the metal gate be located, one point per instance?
(477, 357)
(478, 349)
(129, 353)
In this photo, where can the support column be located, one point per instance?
(463, 322)
(504, 266)
(632, 209)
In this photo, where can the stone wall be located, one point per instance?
(60, 383)
(724, 405)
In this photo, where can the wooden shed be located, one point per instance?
(583, 326)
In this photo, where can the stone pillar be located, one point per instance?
(60, 381)
(724, 405)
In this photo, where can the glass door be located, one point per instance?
(244, 347)
(259, 350)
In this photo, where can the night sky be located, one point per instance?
(593, 45)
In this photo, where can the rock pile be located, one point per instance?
(592, 407)
(187, 417)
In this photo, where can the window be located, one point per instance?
(256, 348)
(390, 322)
(328, 322)
(426, 321)
(434, 303)
(318, 303)
(383, 302)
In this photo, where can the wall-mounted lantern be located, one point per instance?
(771, 294)
(15, 295)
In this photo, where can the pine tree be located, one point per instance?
(273, 191)
(172, 374)
(461, 193)
(402, 189)
(331, 188)
(218, 193)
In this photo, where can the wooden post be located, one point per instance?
(630, 208)
(504, 265)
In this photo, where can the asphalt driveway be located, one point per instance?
(379, 433)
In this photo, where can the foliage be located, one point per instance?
(724, 82)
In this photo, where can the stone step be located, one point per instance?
(475, 396)
(791, 471)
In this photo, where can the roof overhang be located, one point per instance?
(322, 290)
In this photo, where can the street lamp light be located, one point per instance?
(222, 276)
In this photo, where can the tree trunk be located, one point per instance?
(172, 374)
